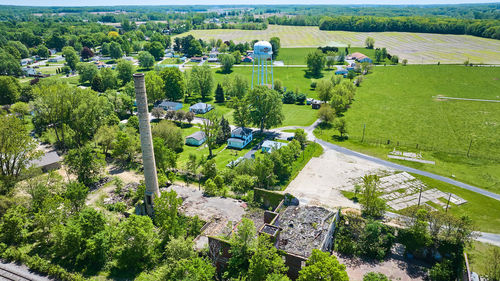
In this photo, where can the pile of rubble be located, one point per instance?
(124, 194)
(304, 228)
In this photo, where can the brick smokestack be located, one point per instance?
(148, 156)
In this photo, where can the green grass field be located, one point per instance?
(292, 77)
(416, 47)
(297, 56)
(398, 104)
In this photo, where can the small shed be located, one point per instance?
(200, 108)
(269, 145)
(316, 104)
(170, 105)
(196, 139)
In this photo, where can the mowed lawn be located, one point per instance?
(293, 78)
(399, 104)
(416, 47)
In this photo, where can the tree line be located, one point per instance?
(481, 28)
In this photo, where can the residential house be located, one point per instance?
(196, 138)
(268, 146)
(26, 61)
(56, 59)
(342, 71)
(196, 59)
(170, 105)
(240, 137)
(247, 59)
(361, 57)
(213, 56)
(29, 71)
(200, 108)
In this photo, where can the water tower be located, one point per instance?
(262, 57)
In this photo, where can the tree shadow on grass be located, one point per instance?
(340, 138)
(308, 74)
(224, 72)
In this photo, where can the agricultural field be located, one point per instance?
(421, 48)
(401, 108)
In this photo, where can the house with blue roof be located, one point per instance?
(240, 137)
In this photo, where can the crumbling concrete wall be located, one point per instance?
(219, 253)
(294, 264)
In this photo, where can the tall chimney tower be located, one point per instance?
(148, 156)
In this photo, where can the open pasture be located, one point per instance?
(417, 48)
(399, 104)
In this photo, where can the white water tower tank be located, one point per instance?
(262, 58)
(263, 50)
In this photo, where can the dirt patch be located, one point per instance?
(126, 176)
(395, 267)
(323, 178)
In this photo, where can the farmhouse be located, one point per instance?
(361, 57)
(196, 138)
(56, 59)
(240, 137)
(269, 145)
(170, 105)
(200, 108)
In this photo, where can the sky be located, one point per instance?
(229, 2)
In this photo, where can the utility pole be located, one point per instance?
(468, 150)
(419, 196)
(363, 138)
(448, 204)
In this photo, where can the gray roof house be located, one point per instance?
(269, 145)
(48, 162)
(196, 138)
(200, 108)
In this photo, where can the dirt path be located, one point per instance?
(323, 178)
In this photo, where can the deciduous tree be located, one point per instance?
(265, 108)
(323, 266)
